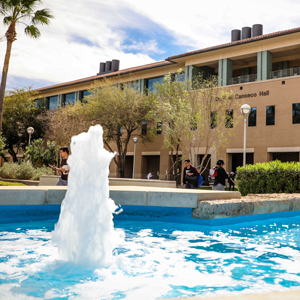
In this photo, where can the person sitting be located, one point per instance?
(150, 175)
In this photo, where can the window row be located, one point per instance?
(52, 103)
(270, 115)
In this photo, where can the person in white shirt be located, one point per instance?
(150, 175)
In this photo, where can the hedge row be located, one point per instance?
(270, 177)
(23, 171)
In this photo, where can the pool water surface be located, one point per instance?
(156, 260)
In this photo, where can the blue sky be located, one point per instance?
(85, 33)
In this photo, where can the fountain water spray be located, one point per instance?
(85, 231)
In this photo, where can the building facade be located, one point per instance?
(261, 70)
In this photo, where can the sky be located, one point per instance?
(84, 33)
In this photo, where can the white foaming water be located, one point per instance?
(85, 231)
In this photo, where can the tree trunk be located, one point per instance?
(13, 154)
(10, 37)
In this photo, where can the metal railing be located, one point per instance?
(285, 72)
(243, 79)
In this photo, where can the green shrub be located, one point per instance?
(271, 177)
(23, 171)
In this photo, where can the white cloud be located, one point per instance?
(148, 47)
(84, 33)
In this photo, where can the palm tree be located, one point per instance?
(19, 11)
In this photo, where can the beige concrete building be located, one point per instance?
(262, 70)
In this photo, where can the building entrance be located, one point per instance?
(128, 167)
(237, 160)
(151, 163)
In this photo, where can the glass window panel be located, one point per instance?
(53, 102)
(296, 113)
(270, 115)
(252, 117)
(213, 119)
(69, 98)
(180, 77)
(83, 94)
(159, 128)
(153, 81)
(144, 128)
(229, 118)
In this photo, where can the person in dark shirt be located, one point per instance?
(189, 176)
(219, 184)
(231, 181)
(64, 168)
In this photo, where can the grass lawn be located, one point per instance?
(5, 183)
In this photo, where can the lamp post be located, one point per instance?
(245, 110)
(30, 131)
(135, 140)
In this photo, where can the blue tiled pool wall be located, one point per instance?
(28, 213)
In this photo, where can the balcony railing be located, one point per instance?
(285, 72)
(243, 79)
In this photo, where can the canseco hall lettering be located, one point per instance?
(252, 95)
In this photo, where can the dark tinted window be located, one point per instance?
(229, 118)
(69, 98)
(252, 117)
(296, 113)
(270, 115)
(144, 128)
(213, 119)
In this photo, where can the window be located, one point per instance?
(159, 128)
(83, 94)
(296, 113)
(41, 103)
(213, 119)
(252, 117)
(229, 118)
(151, 82)
(69, 98)
(52, 102)
(144, 128)
(180, 77)
(194, 124)
(270, 115)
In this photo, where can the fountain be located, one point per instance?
(85, 232)
(89, 257)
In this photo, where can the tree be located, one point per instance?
(120, 110)
(18, 11)
(195, 115)
(40, 153)
(19, 113)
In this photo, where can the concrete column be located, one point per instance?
(227, 70)
(220, 72)
(188, 73)
(60, 100)
(259, 66)
(142, 85)
(77, 96)
(264, 65)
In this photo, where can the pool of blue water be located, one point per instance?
(156, 260)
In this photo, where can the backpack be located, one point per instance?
(200, 180)
(215, 172)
